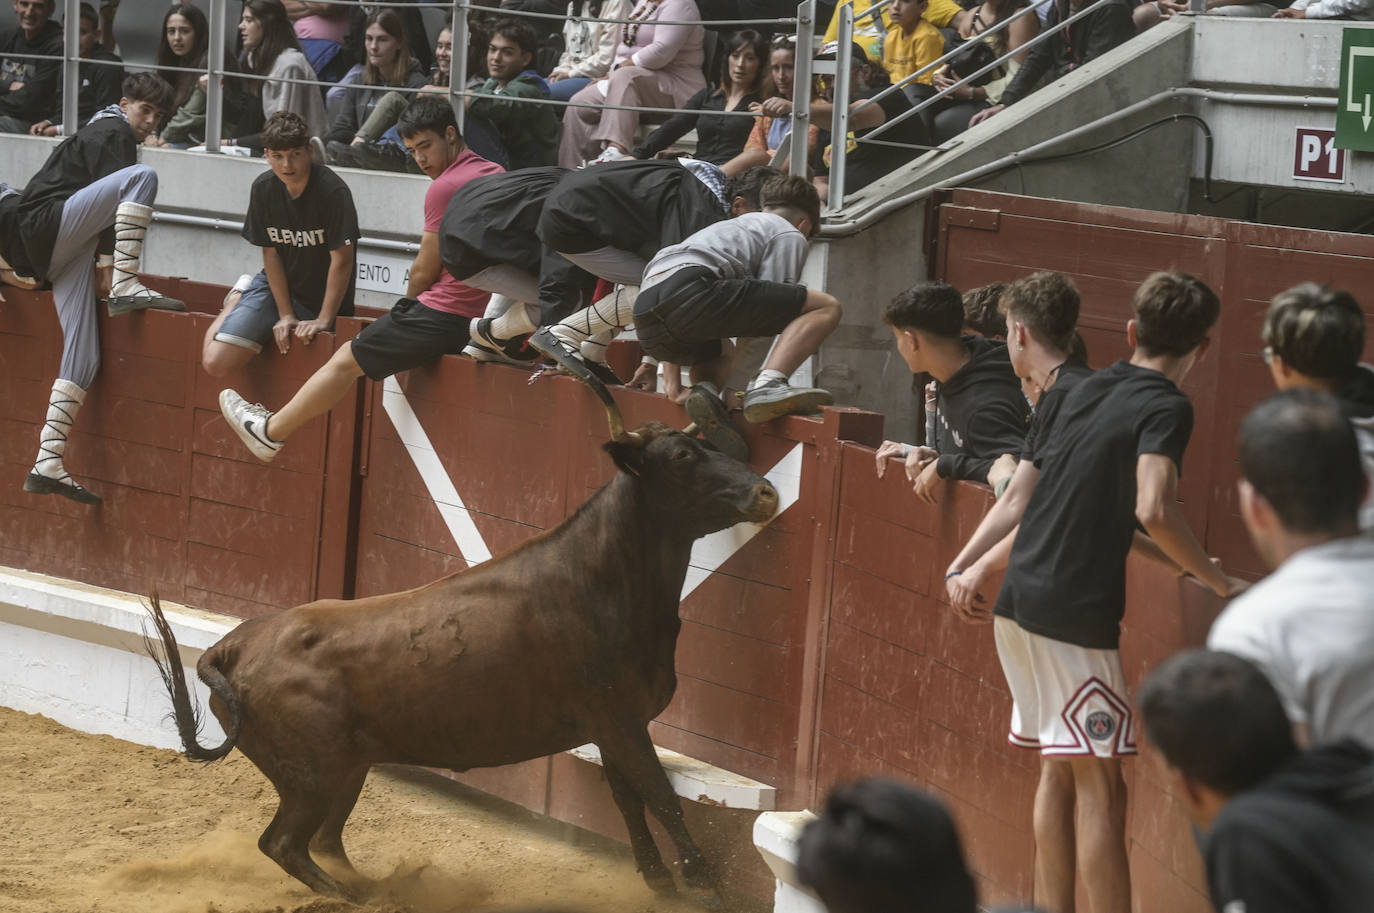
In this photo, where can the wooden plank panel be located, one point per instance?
(880, 608)
(249, 577)
(733, 758)
(744, 720)
(986, 778)
(874, 726)
(875, 667)
(745, 607)
(738, 663)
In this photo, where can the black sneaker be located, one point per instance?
(705, 408)
(67, 487)
(776, 398)
(487, 347)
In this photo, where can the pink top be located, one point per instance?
(317, 26)
(448, 294)
(659, 47)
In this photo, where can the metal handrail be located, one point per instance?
(530, 14)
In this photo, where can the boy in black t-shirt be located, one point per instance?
(302, 216)
(980, 410)
(1113, 459)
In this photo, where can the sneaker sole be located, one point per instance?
(713, 421)
(803, 403)
(36, 484)
(255, 447)
(481, 353)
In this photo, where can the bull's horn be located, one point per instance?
(690, 429)
(613, 417)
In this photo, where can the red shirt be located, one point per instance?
(448, 294)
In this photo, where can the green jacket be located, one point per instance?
(530, 132)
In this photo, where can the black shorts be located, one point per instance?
(408, 336)
(683, 318)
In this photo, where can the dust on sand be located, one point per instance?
(92, 823)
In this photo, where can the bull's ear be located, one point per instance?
(628, 454)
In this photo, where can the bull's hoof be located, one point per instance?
(661, 882)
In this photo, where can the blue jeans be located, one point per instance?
(565, 89)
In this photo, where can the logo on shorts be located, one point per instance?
(1100, 726)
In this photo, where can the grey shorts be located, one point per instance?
(249, 324)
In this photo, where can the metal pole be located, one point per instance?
(797, 145)
(839, 128)
(458, 67)
(214, 88)
(71, 72)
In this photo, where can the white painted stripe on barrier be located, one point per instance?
(456, 516)
(710, 552)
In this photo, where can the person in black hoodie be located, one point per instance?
(100, 84)
(27, 86)
(981, 412)
(1282, 830)
(89, 196)
(1313, 337)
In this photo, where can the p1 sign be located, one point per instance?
(1316, 158)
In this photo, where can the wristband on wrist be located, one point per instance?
(952, 574)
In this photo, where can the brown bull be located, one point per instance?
(566, 640)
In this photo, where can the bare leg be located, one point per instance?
(1054, 837)
(1101, 828)
(715, 370)
(220, 359)
(317, 395)
(801, 338)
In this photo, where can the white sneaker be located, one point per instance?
(609, 154)
(249, 421)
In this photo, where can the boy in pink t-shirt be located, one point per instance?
(432, 320)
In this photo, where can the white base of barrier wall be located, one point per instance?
(75, 653)
(775, 837)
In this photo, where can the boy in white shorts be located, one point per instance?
(1113, 460)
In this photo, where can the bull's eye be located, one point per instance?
(683, 455)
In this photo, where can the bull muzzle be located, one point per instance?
(763, 503)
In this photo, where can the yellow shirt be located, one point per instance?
(938, 13)
(905, 54)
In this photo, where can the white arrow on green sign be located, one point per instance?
(1355, 112)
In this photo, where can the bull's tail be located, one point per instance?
(185, 710)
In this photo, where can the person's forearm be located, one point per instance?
(1148, 549)
(276, 281)
(340, 268)
(999, 556)
(1170, 531)
(422, 277)
(1000, 520)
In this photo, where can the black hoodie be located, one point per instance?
(980, 413)
(1302, 841)
(1356, 394)
(40, 77)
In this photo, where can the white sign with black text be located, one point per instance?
(378, 272)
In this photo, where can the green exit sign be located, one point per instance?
(1355, 106)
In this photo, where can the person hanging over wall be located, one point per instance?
(100, 85)
(27, 86)
(1308, 625)
(302, 216)
(1281, 830)
(1112, 462)
(524, 135)
(90, 197)
(980, 411)
(430, 321)
(737, 277)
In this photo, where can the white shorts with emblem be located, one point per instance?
(1067, 700)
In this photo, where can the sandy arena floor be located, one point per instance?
(91, 823)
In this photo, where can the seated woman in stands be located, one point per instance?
(588, 45)
(185, 43)
(773, 125)
(969, 100)
(719, 137)
(389, 64)
(270, 49)
(657, 64)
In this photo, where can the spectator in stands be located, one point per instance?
(270, 49)
(867, 162)
(523, 135)
(101, 85)
(412, 24)
(430, 321)
(655, 65)
(1327, 9)
(588, 45)
(613, 220)
(1282, 830)
(1040, 313)
(738, 277)
(881, 846)
(388, 64)
(720, 137)
(90, 197)
(1313, 337)
(185, 43)
(1111, 463)
(321, 29)
(302, 216)
(1082, 42)
(966, 101)
(912, 43)
(28, 86)
(980, 411)
(773, 125)
(384, 150)
(1308, 625)
(870, 33)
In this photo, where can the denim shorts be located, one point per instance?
(250, 323)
